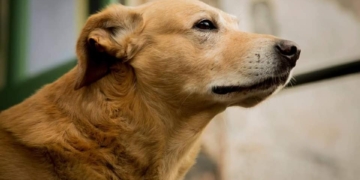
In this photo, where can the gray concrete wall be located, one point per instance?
(307, 132)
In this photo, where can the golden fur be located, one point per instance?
(135, 105)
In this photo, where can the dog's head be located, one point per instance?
(185, 51)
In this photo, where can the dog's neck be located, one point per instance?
(115, 107)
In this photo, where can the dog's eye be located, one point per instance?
(205, 25)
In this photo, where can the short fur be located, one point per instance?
(137, 102)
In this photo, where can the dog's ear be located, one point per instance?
(106, 39)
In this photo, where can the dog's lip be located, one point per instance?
(261, 85)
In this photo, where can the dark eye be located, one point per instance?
(205, 25)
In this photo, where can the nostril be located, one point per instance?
(289, 51)
(293, 50)
(287, 48)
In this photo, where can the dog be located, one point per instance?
(148, 81)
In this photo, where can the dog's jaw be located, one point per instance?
(264, 84)
(249, 95)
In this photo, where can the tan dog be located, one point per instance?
(148, 81)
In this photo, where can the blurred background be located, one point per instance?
(310, 130)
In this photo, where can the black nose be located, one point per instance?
(289, 50)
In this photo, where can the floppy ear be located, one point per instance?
(105, 40)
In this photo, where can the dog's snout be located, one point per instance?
(289, 50)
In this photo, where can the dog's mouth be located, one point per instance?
(262, 85)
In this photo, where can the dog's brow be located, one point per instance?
(210, 13)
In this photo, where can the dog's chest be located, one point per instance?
(136, 158)
(119, 160)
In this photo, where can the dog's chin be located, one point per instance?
(253, 94)
(256, 98)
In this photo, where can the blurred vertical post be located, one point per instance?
(96, 5)
(18, 40)
(4, 12)
(82, 13)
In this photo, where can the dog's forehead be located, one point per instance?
(182, 8)
(177, 5)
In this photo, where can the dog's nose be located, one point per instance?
(289, 50)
